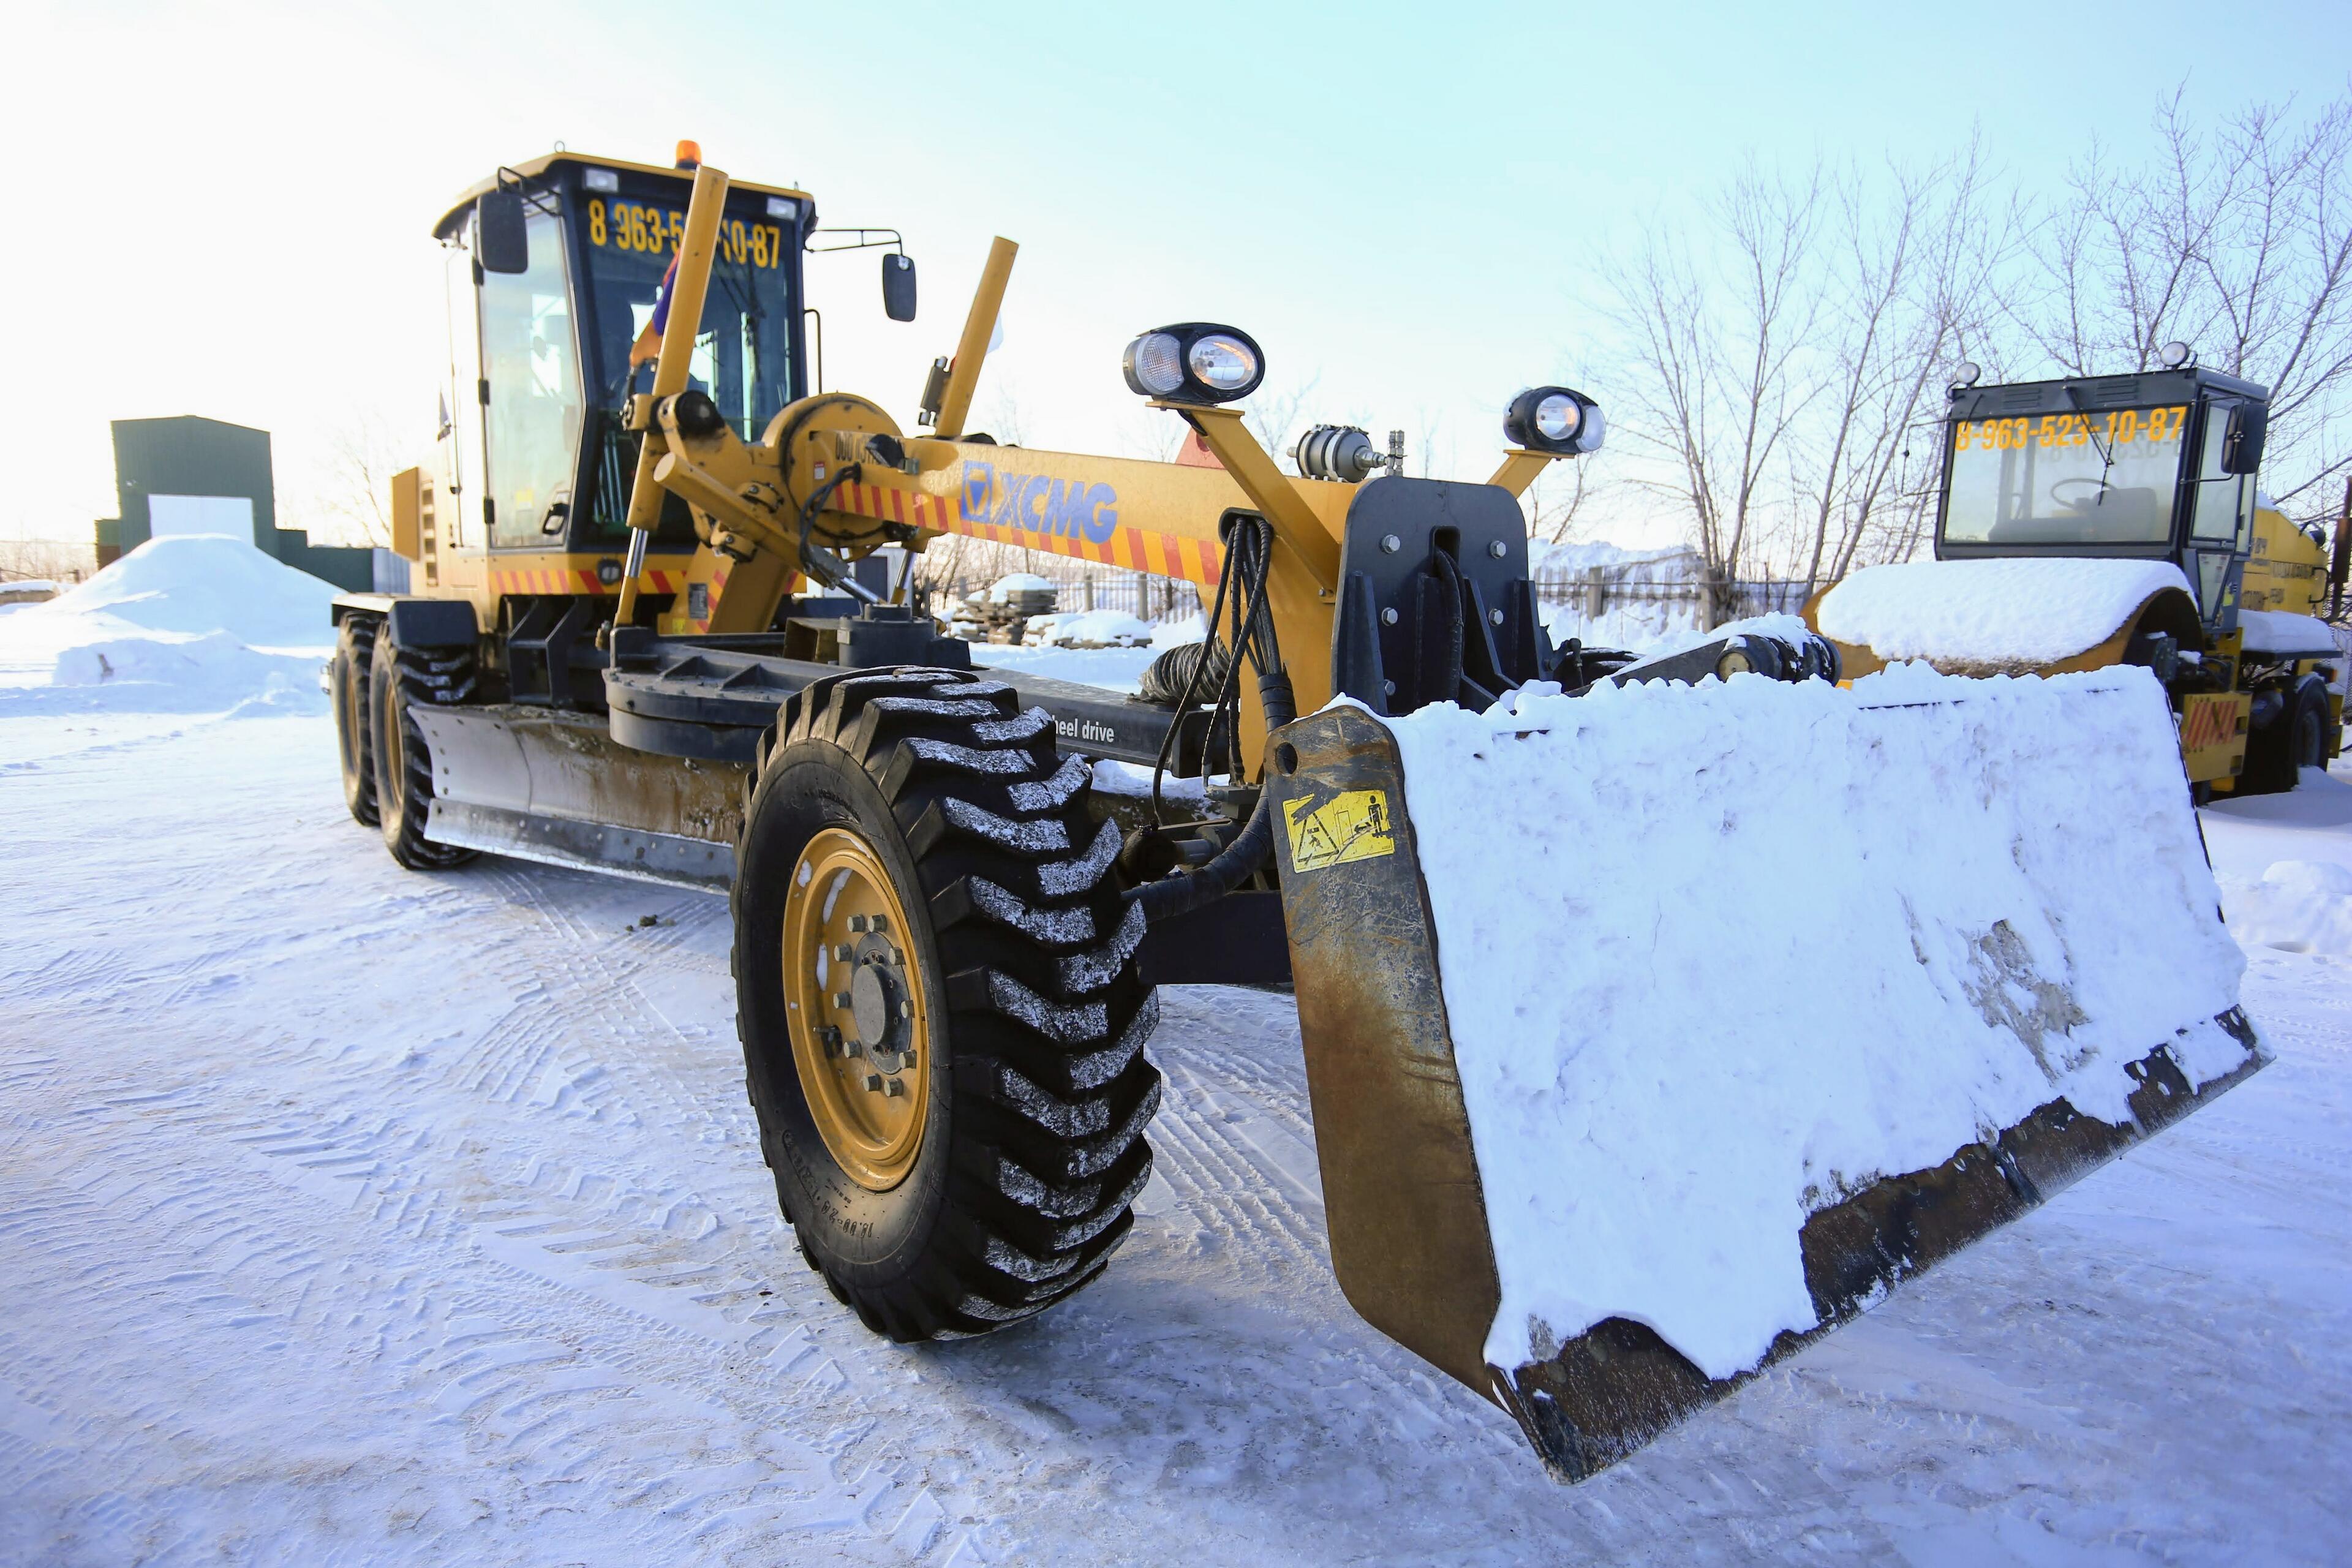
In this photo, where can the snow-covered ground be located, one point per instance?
(355, 1215)
(352, 1216)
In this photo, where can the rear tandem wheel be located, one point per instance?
(936, 992)
(397, 677)
(348, 678)
(2277, 753)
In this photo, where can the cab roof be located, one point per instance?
(535, 168)
(2066, 395)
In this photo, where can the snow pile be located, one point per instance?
(21, 591)
(1115, 777)
(2284, 632)
(1181, 633)
(2297, 906)
(1087, 628)
(189, 622)
(1003, 590)
(1980, 617)
(1715, 957)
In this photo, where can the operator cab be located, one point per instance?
(531, 437)
(2157, 466)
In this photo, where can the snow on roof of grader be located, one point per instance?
(1989, 615)
(1687, 1018)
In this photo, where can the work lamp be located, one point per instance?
(1555, 419)
(1194, 362)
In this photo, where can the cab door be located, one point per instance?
(2219, 528)
(533, 408)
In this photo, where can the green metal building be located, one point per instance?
(170, 471)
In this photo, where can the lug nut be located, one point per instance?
(878, 924)
(841, 1000)
(857, 924)
(892, 1088)
(843, 953)
(905, 1006)
(873, 1082)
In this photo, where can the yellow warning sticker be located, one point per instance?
(1351, 827)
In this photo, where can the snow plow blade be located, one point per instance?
(1650, 1035)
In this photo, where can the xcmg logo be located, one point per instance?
(1037, 503)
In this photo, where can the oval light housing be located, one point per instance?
(1558, 420)
(1196, 363)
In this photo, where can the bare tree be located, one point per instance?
(1907, 284)
(2237, 241)
(1273, 416)
(1719, 380)
(355, 483)
(1554, 499)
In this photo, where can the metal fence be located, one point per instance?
(1593, 593)
(1589, 594)
(1083, 587)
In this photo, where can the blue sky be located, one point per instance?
(229, 204)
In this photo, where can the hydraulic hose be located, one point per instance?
(1231, 866)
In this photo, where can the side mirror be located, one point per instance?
(897, 285)
(2241, 443)
(502, 242)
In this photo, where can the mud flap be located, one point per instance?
(1413, 1240)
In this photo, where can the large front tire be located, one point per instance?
(997, 1177)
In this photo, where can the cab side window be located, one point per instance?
(530, 356)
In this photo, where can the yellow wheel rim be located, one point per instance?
(859, 1020)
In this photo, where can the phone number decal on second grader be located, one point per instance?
(2121, 426)
(631, 225)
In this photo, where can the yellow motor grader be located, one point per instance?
(2092, 522)
(651, 629)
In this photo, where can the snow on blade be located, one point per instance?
(1991, 615)
(1715, 957)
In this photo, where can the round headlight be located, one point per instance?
(1557, 416)
(1155, 364)
(2176, 355)
(1222, 362)
(1555, 419)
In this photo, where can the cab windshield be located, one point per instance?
(742, 356)
(2104, 476)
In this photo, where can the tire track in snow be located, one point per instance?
(537, 1364)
